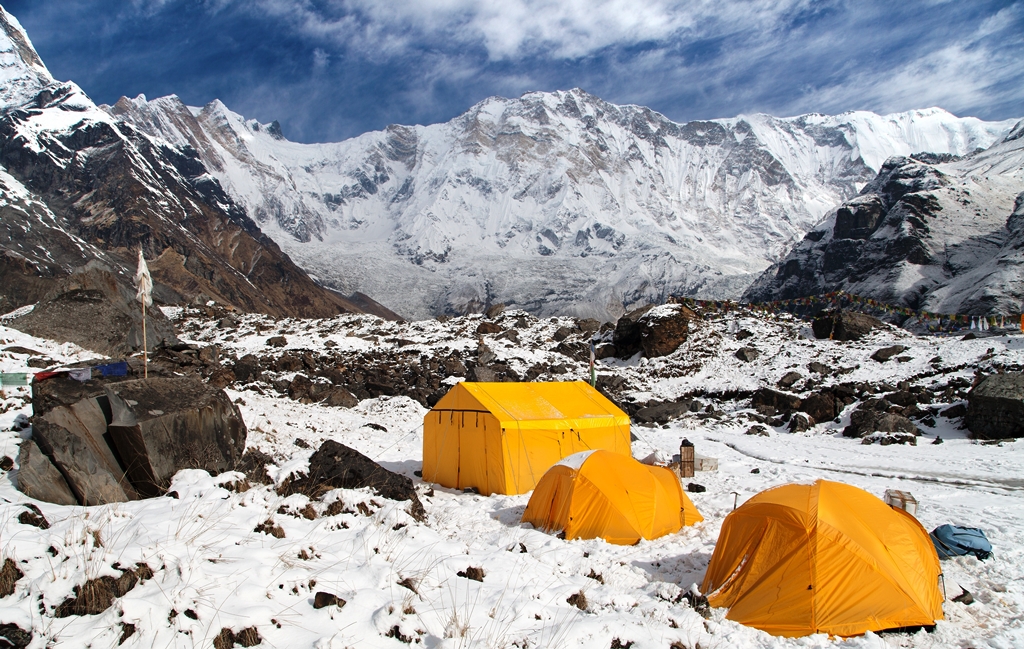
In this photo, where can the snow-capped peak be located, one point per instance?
(22, 73)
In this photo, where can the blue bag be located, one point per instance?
(113, 369)
(951, 541)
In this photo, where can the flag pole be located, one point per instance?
(145, 348)
(144, 284)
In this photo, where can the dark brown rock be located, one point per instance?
(781, 401)
(336, 466)
(995, 407)
(561, 334)
(277, 341)
(323, 599)
(789, 379)
(884, 354)
(339, 397)
(747, 354)
(664, 328)
(472, 572)
(865, 422)
(843, 325)
(627, 335)
(662, 413)
(800, 422)
(818, 368)
(246, 368)
(486, 327)
(160, 426)
(821, 406)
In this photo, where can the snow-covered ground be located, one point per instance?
(213, 571)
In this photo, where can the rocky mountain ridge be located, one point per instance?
(942, 235)
(554, 202)
(78, 184)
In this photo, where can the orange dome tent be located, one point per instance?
(823, 558)
(601, 494)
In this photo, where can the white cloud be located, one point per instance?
(514, 28)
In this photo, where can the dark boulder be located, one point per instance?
(160, 426)
(662, 413)
(995, 407)
(799, 422)
(336, 466)
(884, 354)
(747, 354)
(818, 368)
(664, 328)
(781, 401)
(953, 412)
(789, 379)
(86, 464)
(843, 325)
(488, 328)
(626, 337)
(821, 406)
(865, 422)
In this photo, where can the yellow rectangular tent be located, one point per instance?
(502, 437)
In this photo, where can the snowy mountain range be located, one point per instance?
(77, 184)
(930, 233)
(559, 203)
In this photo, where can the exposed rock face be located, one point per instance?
(843, 325)
(336, 466)
(995, 407)
(906, 240)
(38, 478)
(80, 183)
(95, 309)
(160, 426)
(117, 439)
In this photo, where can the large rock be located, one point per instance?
(995, 407)
(657, 331)
(38, 478)
(664, 328)
(662, 413)
(83, 465)
(116, 439)
(781, 401)
(821, 406)
(160, 426)
(843, 325)
(864, 422)
(97, 310)
(336, 466)
(627, 334)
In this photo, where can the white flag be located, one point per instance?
(144, 282)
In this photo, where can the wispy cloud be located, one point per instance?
(329, 69)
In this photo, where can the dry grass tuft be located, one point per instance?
(9, 576)
(579, 600)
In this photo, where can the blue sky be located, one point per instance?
(332, 69)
